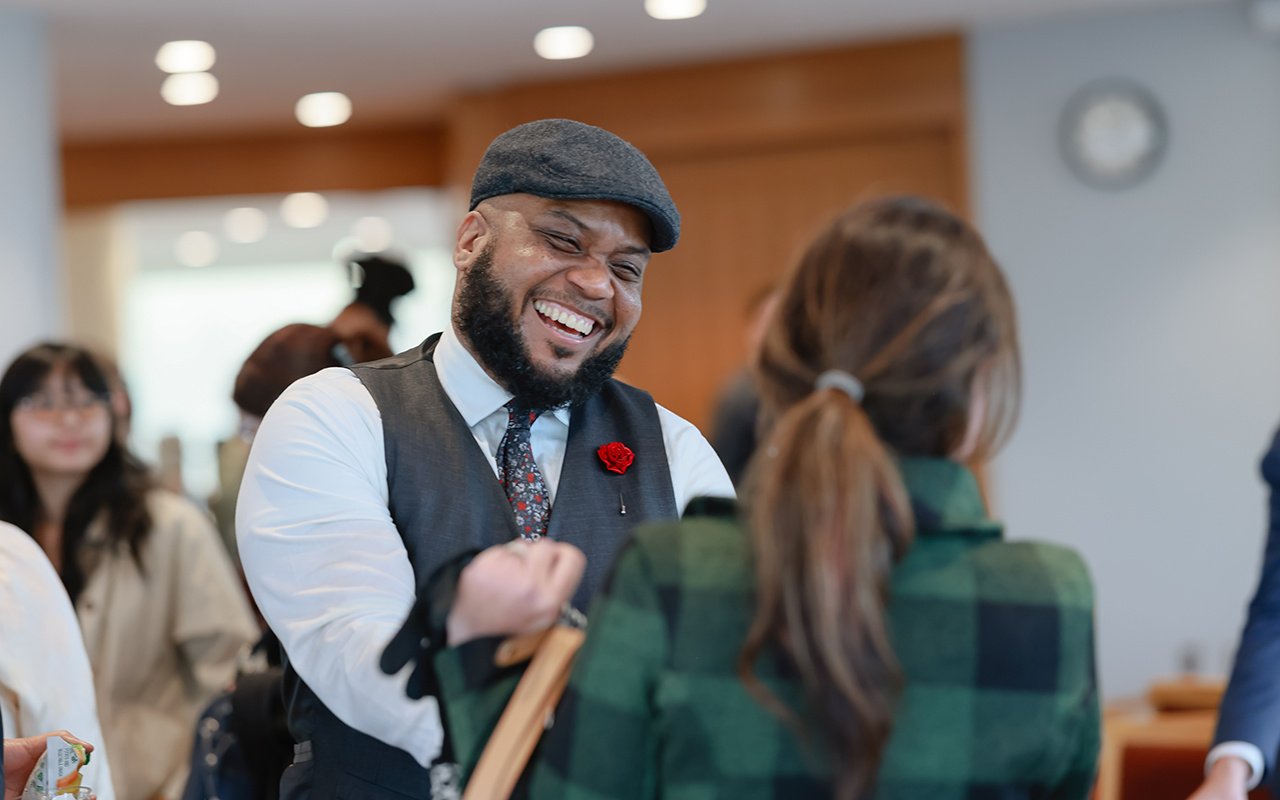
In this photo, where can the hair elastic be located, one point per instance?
(843, 381)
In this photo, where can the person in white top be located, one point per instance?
(45, 679)
(551, 261)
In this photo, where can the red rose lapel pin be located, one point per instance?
(617, 458)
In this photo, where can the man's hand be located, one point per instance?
(1226, 780)
(21, 755)
(518, 587)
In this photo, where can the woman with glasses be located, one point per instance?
(162, 613)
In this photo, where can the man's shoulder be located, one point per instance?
(616, 387)
(418, 354)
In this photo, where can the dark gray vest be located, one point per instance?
(445, 499)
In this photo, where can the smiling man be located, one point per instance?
(508, 425)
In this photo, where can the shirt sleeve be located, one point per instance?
(1246, 752)
(44, 670)
(696, 470)
(324, 560)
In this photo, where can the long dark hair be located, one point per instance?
(116, 486)
(905, 297)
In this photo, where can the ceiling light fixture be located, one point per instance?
(304, 210)
(196, 249)
(674, 9)
(372, 234)
(323, 109)
(185, 56)
(189, 89)
(244, 225)
(564, 42)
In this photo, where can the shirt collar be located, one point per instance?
(473, 392)
(946, 499)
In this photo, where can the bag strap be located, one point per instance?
(525, 717)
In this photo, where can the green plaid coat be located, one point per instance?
(995, 640)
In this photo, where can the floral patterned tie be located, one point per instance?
(520, 477)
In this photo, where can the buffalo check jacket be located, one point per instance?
(995, 641)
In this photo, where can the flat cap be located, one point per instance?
(568, 160)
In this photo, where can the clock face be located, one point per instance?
(1113, 134)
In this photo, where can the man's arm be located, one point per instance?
(1248, 733)
(324, 560)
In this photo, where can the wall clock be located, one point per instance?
(1113, 134)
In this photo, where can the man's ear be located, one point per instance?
(473, 234)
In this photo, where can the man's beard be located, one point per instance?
(484, 318)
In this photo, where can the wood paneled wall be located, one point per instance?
(309, 160)
(758, 154)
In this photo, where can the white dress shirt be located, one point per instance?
(45, 680)
(326, 564)
(1246, 752)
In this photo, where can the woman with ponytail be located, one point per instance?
(857, 627)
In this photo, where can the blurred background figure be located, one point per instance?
(45, 679)
(161, 611)
(736, 417)
(364, 325)
(359, 333)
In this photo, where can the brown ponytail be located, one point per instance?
(903, 296)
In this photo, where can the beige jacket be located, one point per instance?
(163, 642)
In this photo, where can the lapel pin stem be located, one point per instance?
(622, 505)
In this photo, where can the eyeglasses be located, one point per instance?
(44, 404)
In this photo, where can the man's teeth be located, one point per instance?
(568, 319)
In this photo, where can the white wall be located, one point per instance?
(29, 201)
(1150, 320)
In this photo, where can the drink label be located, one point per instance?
(57, 773)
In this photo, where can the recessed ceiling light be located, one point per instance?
(674, 9)
(304, 210)
(185, 56)
(244, 225)
(566, 41)
(323, 109)
(189, 89)
(373, 234)
(196, 249)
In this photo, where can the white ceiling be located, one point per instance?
(400, 59)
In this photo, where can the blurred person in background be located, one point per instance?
(737, 413)
(364, 324)
(45, 679)
(1248, 734)
(161, 610)
(860, 627)
(286, 355)
(361, 332)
